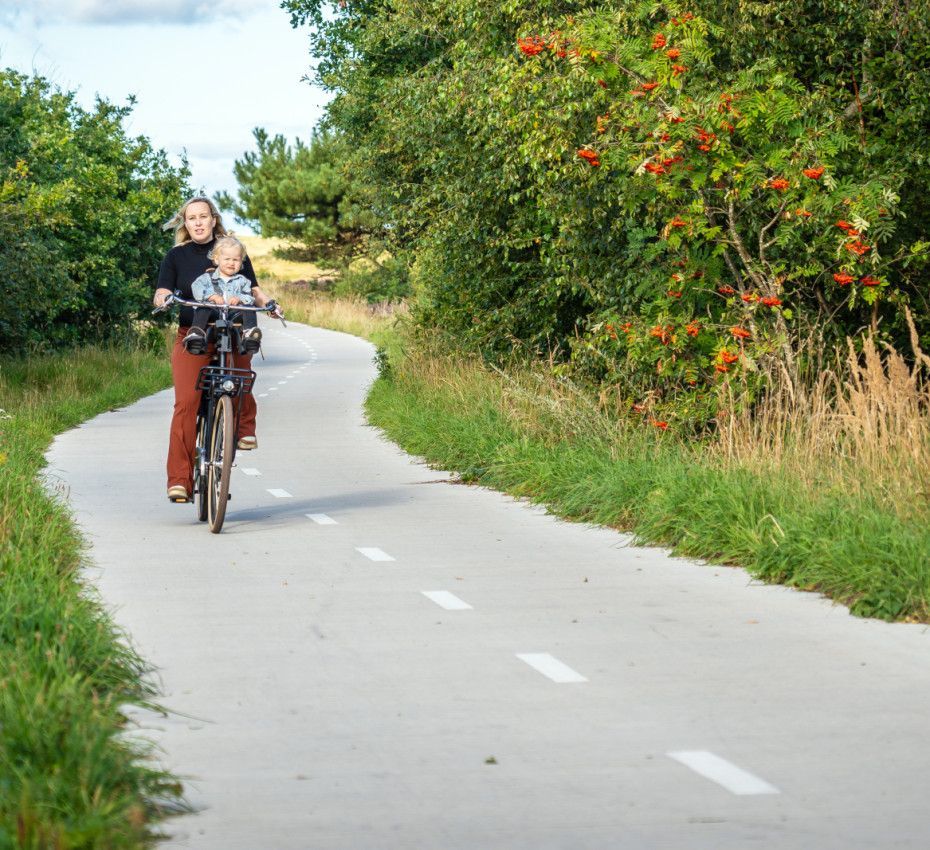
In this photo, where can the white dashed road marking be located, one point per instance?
(446, 600)
(719, 770)
(322, 519)
(248, 470)
(279, 494)
(551, 667)
(373, 554)
(263, 395)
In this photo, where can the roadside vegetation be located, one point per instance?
(665, 196)
(81, 207)
(824, 488)
(350, 314)
(70, 776)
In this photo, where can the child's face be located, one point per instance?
(229, 261)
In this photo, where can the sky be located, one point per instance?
(204, 74)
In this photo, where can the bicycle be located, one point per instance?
(218, 418)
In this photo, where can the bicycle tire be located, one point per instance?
(220, 458)
(201, 449)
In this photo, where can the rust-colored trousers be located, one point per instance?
(185, 368)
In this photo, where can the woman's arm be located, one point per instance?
(261, 299)
(167, 280)
(249, 273)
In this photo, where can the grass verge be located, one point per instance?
(534, 436)
(69, 777)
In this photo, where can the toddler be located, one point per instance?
(228, 254)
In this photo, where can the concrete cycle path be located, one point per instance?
(369, 656)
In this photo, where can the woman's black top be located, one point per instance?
(182, 265)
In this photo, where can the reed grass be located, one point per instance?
(861, 423)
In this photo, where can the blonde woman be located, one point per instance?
(197, 225)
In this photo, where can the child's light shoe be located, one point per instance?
(251, 340)
(195, 342)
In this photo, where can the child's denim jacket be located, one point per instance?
(211, 283)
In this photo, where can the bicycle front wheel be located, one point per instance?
(200, 468)
(220, 461)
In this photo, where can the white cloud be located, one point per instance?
(53, 12)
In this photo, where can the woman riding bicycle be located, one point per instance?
(197, 225)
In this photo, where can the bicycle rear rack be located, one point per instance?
(213, 379)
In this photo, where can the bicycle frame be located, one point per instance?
(216, 382)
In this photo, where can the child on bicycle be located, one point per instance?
(224, 285)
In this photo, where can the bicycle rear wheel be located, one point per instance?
(219, 464)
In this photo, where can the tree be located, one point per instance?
(301, 193)
(81, 207)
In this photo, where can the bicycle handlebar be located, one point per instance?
(271, 308)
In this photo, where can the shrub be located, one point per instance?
(384, 279)
(81, 206)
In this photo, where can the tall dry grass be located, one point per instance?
(287, 281)
(857, 422)
(351, 315)
(268, 265)
(862, 424)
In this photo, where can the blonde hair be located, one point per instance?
(225, 241)
(181, 236)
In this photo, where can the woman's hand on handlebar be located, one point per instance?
(164, 299)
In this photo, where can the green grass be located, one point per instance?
(69, 776)
(843, 542)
